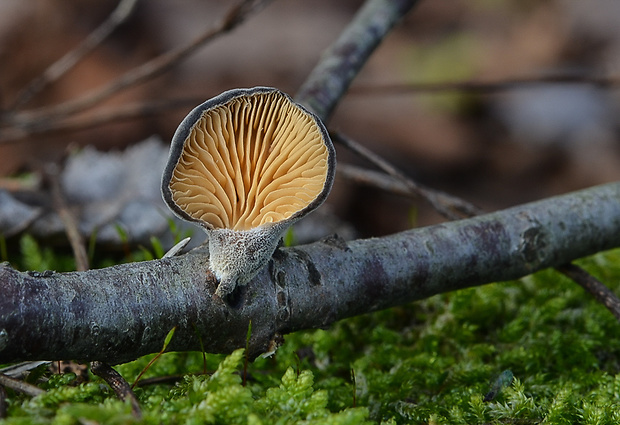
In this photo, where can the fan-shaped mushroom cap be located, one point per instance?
(245, 165)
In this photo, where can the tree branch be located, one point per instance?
(330, 79)
(120, 313)
(447, 205)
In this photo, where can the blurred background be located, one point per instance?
(498, 146)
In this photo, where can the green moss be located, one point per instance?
(37, 258)
(434, 361)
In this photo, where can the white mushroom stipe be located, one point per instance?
(246, 165)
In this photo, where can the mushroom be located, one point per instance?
(245, 165)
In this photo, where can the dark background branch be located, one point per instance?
(234, 17)
(330, 79)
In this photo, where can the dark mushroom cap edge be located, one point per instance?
(187, 125)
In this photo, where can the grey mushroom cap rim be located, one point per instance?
(186, 126)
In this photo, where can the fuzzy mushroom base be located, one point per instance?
(246, 165)
(235, 257)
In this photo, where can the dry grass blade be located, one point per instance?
(71, 225)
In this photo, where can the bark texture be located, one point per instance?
(120, 313)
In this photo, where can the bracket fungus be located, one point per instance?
(245, 165)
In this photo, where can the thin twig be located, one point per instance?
(138, 110)
(448, 206)
(595, 287)
(19, 385)
(140, 74)
(118, 384)
(104, 116)
(158, 380)
(375, 179)
(482, 87)
(69, 221)
(59, 68)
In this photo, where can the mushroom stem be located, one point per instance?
(236, 256)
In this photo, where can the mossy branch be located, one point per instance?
(120, 313)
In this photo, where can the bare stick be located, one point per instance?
(69, 221)
(400, 184)
(375, 179)
(19, 385)
(142, 73)
(118, 384)
(595, 287)
(137, 110)
(444, 205)
(330, 79)
(449, 206)
(120, 313)
(59, 68)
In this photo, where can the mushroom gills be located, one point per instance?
(238, 172)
